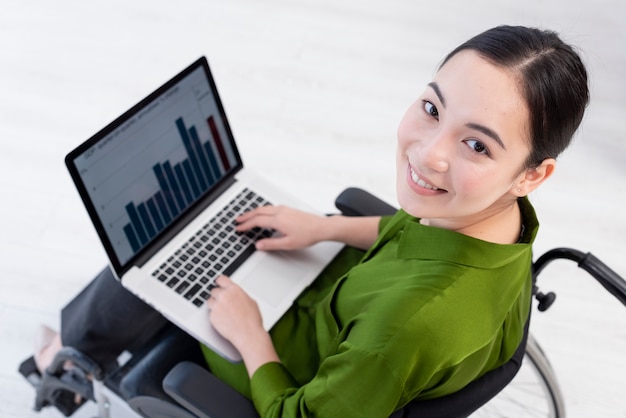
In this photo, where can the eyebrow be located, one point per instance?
(437, 90)
(487, 131)
(477, 127)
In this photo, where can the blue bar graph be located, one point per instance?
(192, 178)
(146, 221)
(180, 185)
(165, 189)
(132, 238)
(195, 140)
(156, 216)
(182, 181)
(192, 151)
(174, 186)
(162, 207)
(138, 227)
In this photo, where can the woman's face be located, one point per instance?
(463, 144)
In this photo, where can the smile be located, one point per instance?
(420, 182)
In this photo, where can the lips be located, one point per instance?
(422, 183)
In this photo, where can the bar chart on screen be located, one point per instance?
(157, 164)
(180, 184)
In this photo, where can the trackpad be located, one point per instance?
(275, 278)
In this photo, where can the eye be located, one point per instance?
(431, 109)
(477, 146)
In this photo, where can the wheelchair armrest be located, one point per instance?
(144, 373)
(205, 395)
(358, 202)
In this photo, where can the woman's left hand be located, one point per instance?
(234, 314)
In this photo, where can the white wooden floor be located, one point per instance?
(314, 90)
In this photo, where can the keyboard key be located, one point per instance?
(182, 287)
(192, 292)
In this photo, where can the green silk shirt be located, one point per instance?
(421, 314)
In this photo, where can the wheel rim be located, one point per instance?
(534, 392)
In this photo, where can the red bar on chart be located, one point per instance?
(218, 143)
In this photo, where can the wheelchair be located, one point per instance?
(167, 376)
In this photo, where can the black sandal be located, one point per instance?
(59, 385)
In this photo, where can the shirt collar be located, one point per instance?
(417, 241)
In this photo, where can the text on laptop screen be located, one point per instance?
(159, 162)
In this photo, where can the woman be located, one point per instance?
(441, 294)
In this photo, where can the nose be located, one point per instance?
(434, 153)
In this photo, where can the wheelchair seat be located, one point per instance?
(168, 377)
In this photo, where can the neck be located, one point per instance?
(501, 226)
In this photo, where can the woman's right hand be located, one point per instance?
(296, 229)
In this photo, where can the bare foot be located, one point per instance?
(47, 345)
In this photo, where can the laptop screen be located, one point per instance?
(138, 175)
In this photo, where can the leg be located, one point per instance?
(105, 319)
(100, 322)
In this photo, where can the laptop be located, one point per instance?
(162, 185)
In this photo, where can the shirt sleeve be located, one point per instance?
(344, 386)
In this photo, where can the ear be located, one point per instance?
(532, 178)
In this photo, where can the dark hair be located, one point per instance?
(552, 79)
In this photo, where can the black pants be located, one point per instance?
(105, 319)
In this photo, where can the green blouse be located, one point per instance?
(421, 314)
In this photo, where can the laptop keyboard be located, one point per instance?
(214, 250)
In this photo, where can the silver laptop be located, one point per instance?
(163, 184)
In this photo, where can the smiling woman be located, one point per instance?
(407, 310)
(466, 140)
(487, 131)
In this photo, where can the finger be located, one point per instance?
(275, 243)
(223, 281)
(264, 221)
(221, 284)
(261, 210)
(214, 297)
